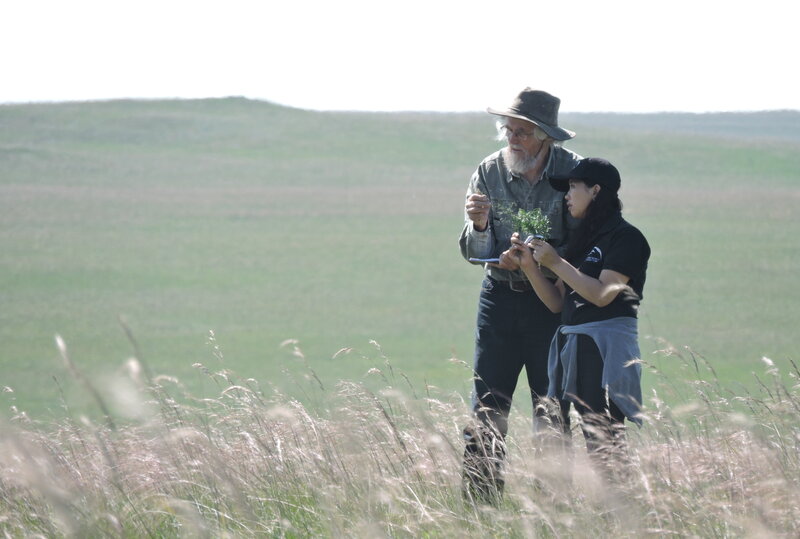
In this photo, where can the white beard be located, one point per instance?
(521, 163)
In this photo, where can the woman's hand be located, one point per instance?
(544, 253)
(524, 254)
(509, 260)
(552, 295)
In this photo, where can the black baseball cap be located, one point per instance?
(592, 171)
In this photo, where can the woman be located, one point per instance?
(594, 354)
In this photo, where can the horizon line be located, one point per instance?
(374, 110)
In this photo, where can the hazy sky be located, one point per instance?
(446, 55)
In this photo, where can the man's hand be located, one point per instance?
(477, 208)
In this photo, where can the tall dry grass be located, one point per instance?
(252, 462)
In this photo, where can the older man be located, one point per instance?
(514, 328)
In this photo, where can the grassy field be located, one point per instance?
(386, 463)
(338, 230)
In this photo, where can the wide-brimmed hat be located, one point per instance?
(594, 170)
(538, 107)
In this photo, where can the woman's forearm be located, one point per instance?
(600, 291)
(548, 292)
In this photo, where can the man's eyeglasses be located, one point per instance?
(523, 135)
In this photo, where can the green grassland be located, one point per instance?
(264, 223)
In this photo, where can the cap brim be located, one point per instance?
(560, 183)
(554, 132)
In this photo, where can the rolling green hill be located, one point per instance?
(263, 223)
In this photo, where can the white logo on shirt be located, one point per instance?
(595, 255)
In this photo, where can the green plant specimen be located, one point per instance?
(531, 223)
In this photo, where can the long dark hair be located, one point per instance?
(604, 206)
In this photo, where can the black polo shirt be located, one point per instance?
(621, 247)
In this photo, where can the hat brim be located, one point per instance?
(553, 131)
(560, 183)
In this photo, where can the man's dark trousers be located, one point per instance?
(514, 330)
